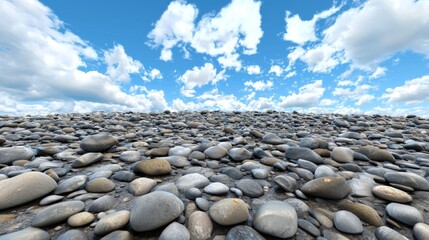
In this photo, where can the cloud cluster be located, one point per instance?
(198, 77)
(235, 28)
(308, 95)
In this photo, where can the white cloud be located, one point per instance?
(359, 94)
(413, 91)
(154, 73)
(291, 74)
(300, 31)
(259, 85)
(366, 98)
(253, 70)
(175, 25)
(328, 102)
(262, 104)
(236, 27)
(308, 95)
(120, 65)
(277, 70)
(46, 67)
(198, 77)
(318, 59)
(378, 73)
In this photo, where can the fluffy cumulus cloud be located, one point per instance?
(259, 85)
(413, 91)
(359, 93)
(300, 31)
(175, 25)
(253, 70)
(361, 37)
(198, 77)
(119, 64)
(236, 28)
(276, 69)
(378, 73)
(308, 95)
(47, 65)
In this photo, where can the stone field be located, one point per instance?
(214, 175)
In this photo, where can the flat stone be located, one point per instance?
(347, 222)
(303, 153)
(80, 219)
(363, 212)
(98, 143)
(286, 183)
(342, 155)
(404, 213)
(250, 188)
(333, 188)
(300, 207)
(241, 232)
(10, 154)
(87, 159)
(240, 154)
(31, 185)
(102, 204)
(152, 167)
(50, 199)
(118, 234)
(71, 184)
(200, 225)
(308, 227)
(100, 185)
(141, 186)
(386, 233)
(112, 222)
(229, 211)
(146, 215)
(73, 234)
(260, 173)
(421, 231)
(27, 233)
(276, 218)
(124, 176)
(216, 188)
(408, 179)
(391, 194)
(175, 231)
(130, 156)
(324, 171)
(376, 154)
(191, 180)
(57, 213)
(216, 152)
(177, 161)
(179, 151)
(272, 138)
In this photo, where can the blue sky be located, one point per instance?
(366, 57)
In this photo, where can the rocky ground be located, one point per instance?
(214, 175)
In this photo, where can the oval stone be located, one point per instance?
(229, 211)
(27, 233)
(391, 194)
(98, 143)
(276, 218)
(347, 222)
(404, 213)
(243, 232)
(153, 167)
(333, 188)
(155, 210)
(57, 213)
(31, 185)
(200, 225)
(112, 222)
(175, 231)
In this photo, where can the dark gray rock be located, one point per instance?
(250, 188)
(175, 231)
(347, 222)
(98, 143)
(57, 213)
(303, 153)
(243, 232)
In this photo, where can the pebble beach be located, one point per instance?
(214, 175)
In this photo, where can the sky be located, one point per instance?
(312, 56)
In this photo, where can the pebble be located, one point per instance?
(57, 213)
(342, 155)
(308, 227)
(391, 194)
(276, 218)
(71, 184)
(216, 188)
(364, 212)
(31, 185)
(250, 188)
(404, 213)
(152, 167)
(286, 183)
(27, 233)
(73, 234)
(421, 231)
(408, 179)
(347, 222)
(229, 211)
(239, 154)
(175, 231)
(10, 154)
(130, 156)
(146, 214)
(80, 219)
(192, 180)
(98, 143)
(100, 185)
(303, 153)
(87, 159)
(112, 222)
(334, 188)
(200, 225)
(243, 232)
(386, 233)
(118, 234)
(102, 204)
(141, 186)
